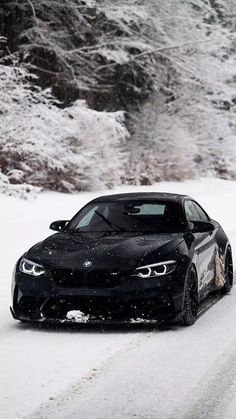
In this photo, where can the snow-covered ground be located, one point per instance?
(64, 373)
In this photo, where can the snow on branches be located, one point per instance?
(84, 49)
(59, 149)
(187, 127)
(169, 64)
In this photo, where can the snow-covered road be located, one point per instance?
(182, 373)
(178, 373)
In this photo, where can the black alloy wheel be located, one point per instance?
(191, 301)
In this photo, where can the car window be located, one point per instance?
(152, 209)
(85, 221)
(203, 216)
(130, 216)
(191, 211)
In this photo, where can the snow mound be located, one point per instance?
(23, 191)
(77, 316)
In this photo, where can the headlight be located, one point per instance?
(31, 268)
(156, 269)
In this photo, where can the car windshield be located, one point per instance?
(129, 216)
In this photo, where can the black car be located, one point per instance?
(137, 257)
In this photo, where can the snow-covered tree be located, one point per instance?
(169, 64)
(60, 149)
(188, 126)
(83, 48)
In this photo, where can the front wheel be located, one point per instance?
(191, 298)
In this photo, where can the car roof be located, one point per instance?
(135, 196)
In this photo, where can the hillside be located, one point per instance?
(99, 93)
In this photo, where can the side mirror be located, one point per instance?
(58, 225)
(202, 227)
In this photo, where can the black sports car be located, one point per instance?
(139, 257)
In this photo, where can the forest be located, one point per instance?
(97, 93)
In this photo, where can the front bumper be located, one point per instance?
(133, 301)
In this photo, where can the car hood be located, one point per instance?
(119, 251)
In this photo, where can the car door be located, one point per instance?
(205, 246)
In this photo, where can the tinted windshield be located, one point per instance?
(129, 216)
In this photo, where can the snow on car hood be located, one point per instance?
(124, 250)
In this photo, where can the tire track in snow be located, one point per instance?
(163, 375)
(214, 389)
(85, 383)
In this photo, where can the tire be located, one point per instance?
(190, 298)
(229, 274)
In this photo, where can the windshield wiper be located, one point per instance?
(108, 222)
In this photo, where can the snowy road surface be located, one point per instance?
(185, 373)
